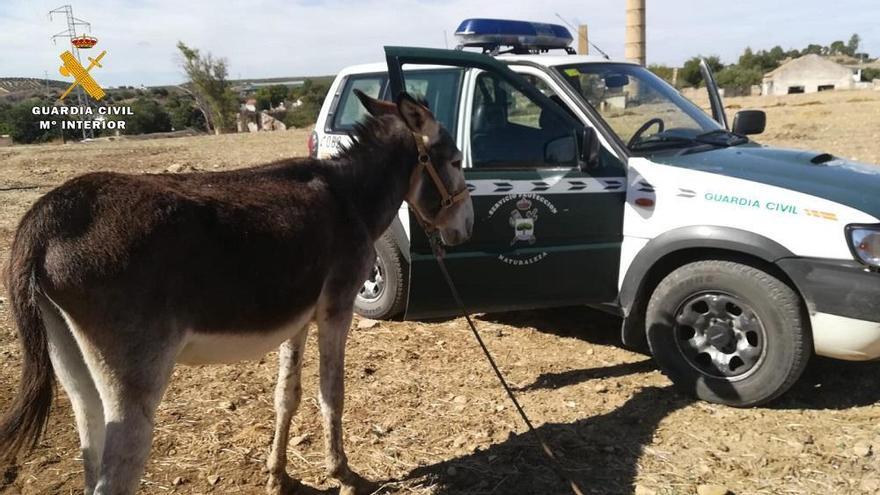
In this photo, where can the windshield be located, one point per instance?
(643, 110)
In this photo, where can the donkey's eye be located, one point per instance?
(456, 164)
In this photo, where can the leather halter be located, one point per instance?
(446, 200)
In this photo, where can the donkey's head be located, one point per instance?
(437, 192)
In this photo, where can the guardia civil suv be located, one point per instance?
(595, 182)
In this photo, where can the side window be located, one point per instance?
(440, 89)
(349, 109)
(510, 130)
(523, 111)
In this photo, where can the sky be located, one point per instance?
(275, 38)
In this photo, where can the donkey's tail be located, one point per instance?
(26, 417)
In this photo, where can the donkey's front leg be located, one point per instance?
(334, 321)
(288, 392)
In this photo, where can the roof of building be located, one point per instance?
(812, 63)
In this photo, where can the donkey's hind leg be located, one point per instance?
(333, 324)
(288, 392)
(131, 373)
(73, 373)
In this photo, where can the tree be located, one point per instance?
(853, 45)
(837, 48)
(183, 112)
(736, 76)
(269, 97)
(776, 55)
(5, 126)
(870, 74)
(691, 74)
(148, 117)
(24, 126)
(308, 99)
(813, 49)
(210, 88)
(662, 71)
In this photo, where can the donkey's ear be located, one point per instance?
(418, 117)
(377, 108)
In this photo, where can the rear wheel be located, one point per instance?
(383, 294)
(727, 332)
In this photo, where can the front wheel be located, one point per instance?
(383, 295)
(728, 332)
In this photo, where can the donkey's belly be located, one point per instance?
(230, 347)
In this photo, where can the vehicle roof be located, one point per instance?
(545, 60)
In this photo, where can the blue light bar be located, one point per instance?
(490, 34)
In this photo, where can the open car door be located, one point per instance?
(547, 230)
(715, 100)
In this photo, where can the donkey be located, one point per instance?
(114, 278)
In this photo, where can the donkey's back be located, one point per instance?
(234, 251)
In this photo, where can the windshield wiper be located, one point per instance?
(721, 137)
(663, 142)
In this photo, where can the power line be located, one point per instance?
(70, 34)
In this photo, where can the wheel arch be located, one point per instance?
(677, 247)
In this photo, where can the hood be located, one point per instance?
(849, 183)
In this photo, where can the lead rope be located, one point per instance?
(437, 248)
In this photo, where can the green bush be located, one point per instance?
(24, 126)
(311, 96)
(735, 76)
(870, 74)
(123, 94)
(5, 127)
(302, 116)
(148, 117)
(269, 97)
(184, 113)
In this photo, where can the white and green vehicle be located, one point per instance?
(595, 182)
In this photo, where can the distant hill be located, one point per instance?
(278, 80)
(19, 84)
(23, 84)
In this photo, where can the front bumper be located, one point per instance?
(843, 299)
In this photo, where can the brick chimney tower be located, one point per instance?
(635, 31)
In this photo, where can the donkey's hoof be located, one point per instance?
(282, 484)
(358, 485)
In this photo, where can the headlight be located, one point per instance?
(864, 241)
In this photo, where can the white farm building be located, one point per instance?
(807, 74)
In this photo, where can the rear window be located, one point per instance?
(349, 109)
(440, 88)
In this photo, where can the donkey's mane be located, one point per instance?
(375, 145)
(370, 136)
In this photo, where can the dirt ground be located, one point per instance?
(424, 415)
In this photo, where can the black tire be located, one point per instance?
(706, 312)
(389, 300)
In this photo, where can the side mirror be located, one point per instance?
(747, 122)
(589, 158)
